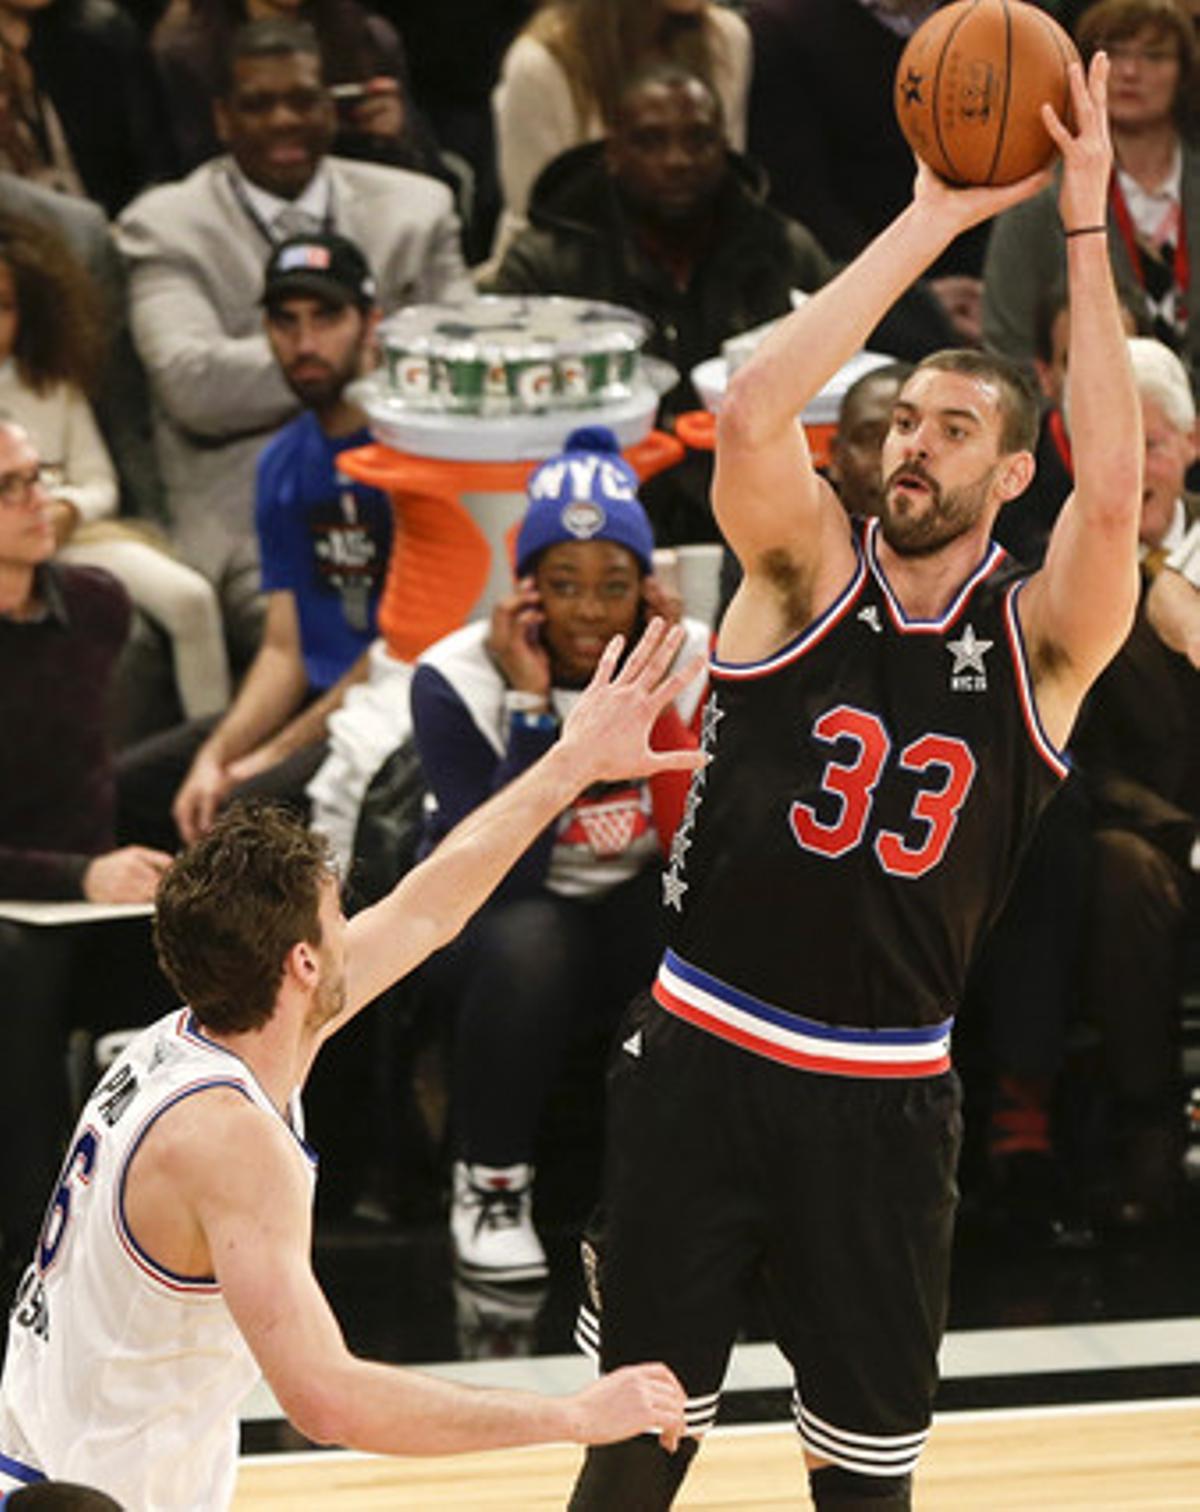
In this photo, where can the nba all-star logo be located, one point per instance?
(968, 674)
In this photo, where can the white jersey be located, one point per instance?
(120, 1374)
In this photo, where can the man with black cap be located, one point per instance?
(323, 544)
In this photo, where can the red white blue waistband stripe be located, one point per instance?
(710, 1004)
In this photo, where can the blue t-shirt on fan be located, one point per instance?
(326, 540)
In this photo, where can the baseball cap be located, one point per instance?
(322, 264)
(586, 493)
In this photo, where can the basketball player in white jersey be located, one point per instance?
(173, 1265)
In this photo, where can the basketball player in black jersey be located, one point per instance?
(889, 703)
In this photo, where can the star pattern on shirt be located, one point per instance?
(674, 888)
(968, 652)
(709, 720)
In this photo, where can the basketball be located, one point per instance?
(970, 84)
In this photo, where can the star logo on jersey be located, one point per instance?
(709, 720)
(870, 616)
(674, 888)
(968, 674)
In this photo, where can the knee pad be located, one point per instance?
(636, 1475)
(842, 1490)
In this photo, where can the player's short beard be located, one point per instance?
(948, 515)
(329, 1000)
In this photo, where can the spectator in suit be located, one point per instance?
(61, 629)
(360, 50)
(195, 252)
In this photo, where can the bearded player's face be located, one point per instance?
(940, 457)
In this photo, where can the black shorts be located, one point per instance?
(834, 1196)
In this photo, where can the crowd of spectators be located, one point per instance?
(205, 208)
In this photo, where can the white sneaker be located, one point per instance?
(491, 1223)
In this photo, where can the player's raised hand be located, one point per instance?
(609, 728)
(969, 205)
(635, 1399)
(1086, 151)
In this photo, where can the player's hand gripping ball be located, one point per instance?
(970, 85)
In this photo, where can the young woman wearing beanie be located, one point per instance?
(574, 930)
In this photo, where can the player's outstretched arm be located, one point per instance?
(606, 737)
(1078, 609)
(255, 1218)
(766, 495)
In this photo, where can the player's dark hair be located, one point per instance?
(231, 907)
(275, 37)
(60, 1496)
(1018, 397)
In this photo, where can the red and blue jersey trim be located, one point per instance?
(812, 636)
(1055, 759)
(195, 1286)
(708, 1003)
(994, 558)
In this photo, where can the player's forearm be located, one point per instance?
(804, 351)
(1105, 411)
(378, 1409)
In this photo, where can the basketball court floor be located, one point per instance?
(1070, 1379)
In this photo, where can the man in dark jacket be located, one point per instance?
(665, 218)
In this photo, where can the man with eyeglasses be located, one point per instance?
(61, 629)
(196, 250)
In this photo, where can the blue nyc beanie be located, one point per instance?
(587, 493)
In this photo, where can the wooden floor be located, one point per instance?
(1145, 1456)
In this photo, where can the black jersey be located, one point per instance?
(871, 789)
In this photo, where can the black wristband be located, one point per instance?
(1085, 231)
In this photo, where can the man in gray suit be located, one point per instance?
(196, 251)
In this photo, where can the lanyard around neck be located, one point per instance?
(1180, 262)
(266, 231)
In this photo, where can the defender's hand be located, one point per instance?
(609, 728)
(635, 1399)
